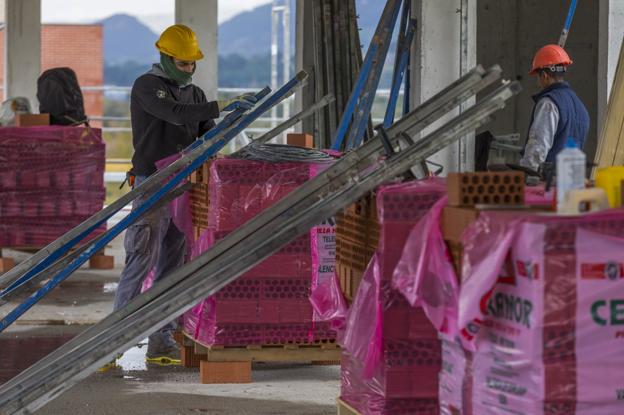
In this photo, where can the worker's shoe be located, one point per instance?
(162, 349)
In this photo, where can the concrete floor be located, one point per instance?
(137, 388)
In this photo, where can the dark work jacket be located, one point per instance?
(573, 117)
(166, 118)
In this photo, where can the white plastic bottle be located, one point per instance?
(571, 167)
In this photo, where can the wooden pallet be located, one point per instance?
(97, 261)
(232, 364)
(345, 409)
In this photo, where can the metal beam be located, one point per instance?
(186, 287)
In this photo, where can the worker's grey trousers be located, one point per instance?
(152, 242)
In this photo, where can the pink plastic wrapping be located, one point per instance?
(541, 304)
(180, 211)
(51, 180)
(180, 207)
(425, 273)
(269, 304)
(392, 353)
(326, 298)
(394, 396)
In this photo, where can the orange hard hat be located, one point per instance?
(180, 42)
(549, 56)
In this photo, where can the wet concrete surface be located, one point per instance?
(276, 389)
(25, 345)
(134, 387)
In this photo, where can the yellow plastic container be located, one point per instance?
(610, 179)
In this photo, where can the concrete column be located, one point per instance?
(22, 49)
(201, 16)
(610, 37)
(304, 60)
(445, 47)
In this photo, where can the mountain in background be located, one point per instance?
(244, 44)
(127, 39)
(247, 34)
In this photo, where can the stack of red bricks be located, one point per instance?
(51, 179)
(466, 191)
(357, 237)
(406, 380)
(269, 304)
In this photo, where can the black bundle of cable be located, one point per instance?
(280, 153)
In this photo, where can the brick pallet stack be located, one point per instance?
(51, 179)
(406, 379)
(546, 323)
(268, 305)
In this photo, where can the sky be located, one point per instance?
(155, 13)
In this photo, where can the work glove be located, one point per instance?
(245, 101)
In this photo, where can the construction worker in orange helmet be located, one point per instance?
(168, 113)
(558, 113)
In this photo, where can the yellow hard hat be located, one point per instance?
(180, 42)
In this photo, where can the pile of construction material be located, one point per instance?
(539, 333)
(393, 361)
(269, 304)
(528, 312)
(51, 179)
(392, 353)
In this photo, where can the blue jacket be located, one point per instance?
(573, 116)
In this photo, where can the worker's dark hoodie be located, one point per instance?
(166, 118)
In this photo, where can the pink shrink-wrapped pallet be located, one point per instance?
(540, 315)
(269, 304)
(391, 357)
(51, 179)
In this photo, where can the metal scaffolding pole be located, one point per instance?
(317, 199)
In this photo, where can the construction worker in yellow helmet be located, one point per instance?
(168, 113)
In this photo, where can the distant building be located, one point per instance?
(78, 46)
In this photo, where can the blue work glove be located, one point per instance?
(245, 101)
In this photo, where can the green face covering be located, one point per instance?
(180, 77)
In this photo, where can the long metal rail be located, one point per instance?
(232, 256)
(199, 156)
(265, 138)
(437, 106)
(361, 118)
(357, 111)
(67, 259)
(446, 100)
(56, 249)
(402, 58)
(17, 287)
